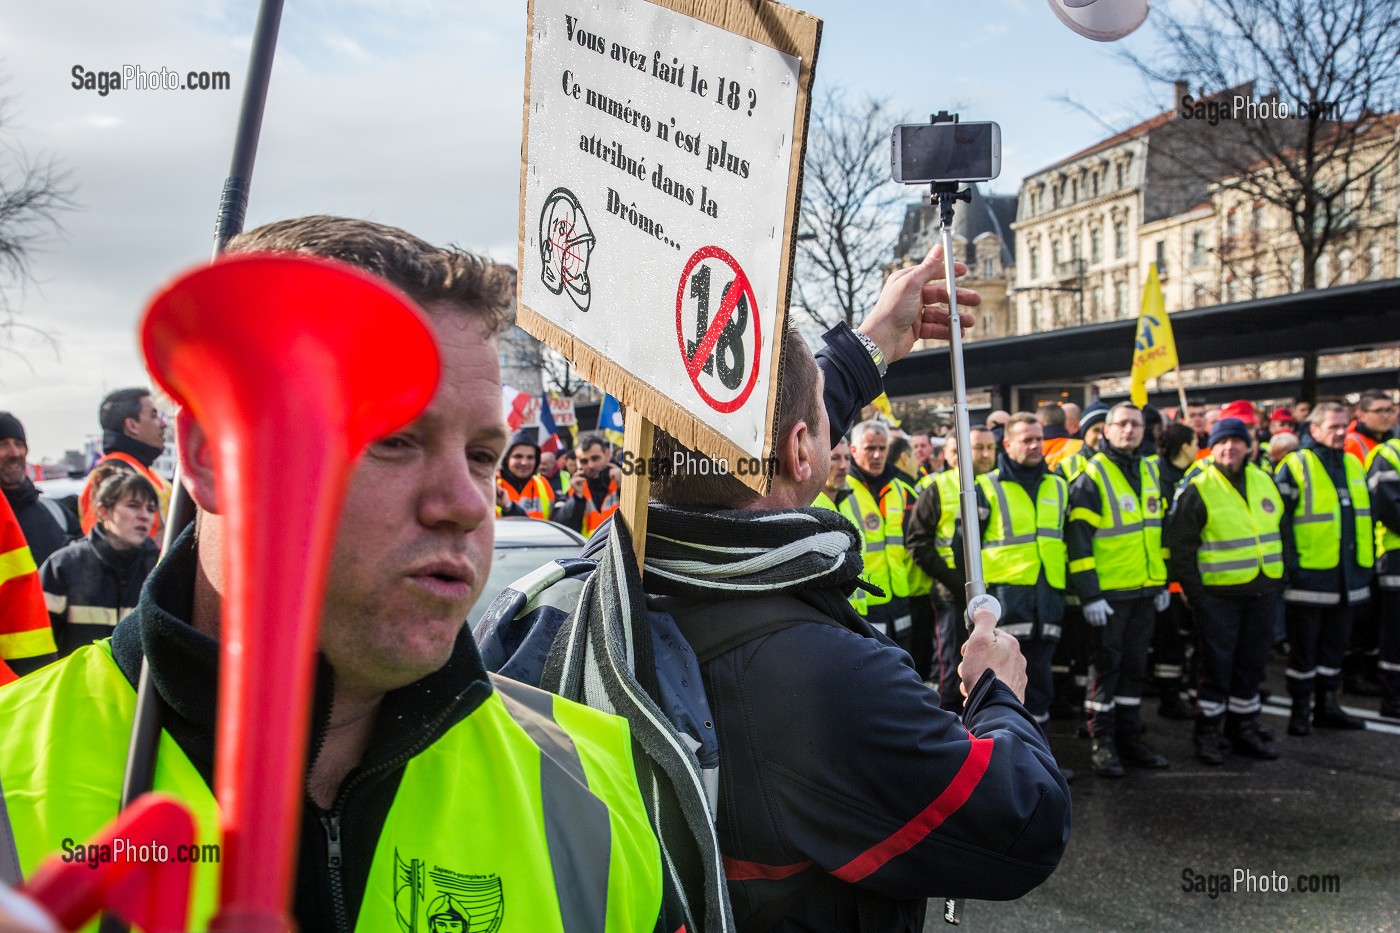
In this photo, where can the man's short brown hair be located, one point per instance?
(428, 274)
(1022, 417)
(798, 400)
(1048, 414)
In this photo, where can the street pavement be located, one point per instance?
(1329, 806)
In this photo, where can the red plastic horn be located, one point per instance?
(137, 870)
(291, 365)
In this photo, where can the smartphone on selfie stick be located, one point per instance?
(946, 155)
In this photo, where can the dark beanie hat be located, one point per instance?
(1094, 414)
(11, 428)
(1229, 427)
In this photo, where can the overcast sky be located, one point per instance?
(410, 114)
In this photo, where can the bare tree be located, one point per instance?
(33, 193)
(848, 226)
(531, 358)
(1334, 67)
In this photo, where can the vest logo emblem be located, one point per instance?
(871, 522)
(1268, 506)
(1153, 503)
(449, 901)
(1128, 502)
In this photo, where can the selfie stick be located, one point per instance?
(944, 195)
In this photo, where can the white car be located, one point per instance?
(522, 545)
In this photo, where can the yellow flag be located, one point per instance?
(1154, 348)
(882, 405)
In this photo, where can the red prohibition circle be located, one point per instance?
(694, 365)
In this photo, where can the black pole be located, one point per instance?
(233, 206)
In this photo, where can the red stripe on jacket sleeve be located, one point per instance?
(740, 870)
(956, 794)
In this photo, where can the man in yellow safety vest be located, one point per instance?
(477, 789)
(1114, 542)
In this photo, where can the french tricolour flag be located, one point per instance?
(549, 431)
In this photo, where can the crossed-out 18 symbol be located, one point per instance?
(720, 347)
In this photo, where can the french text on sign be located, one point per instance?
(719, 334)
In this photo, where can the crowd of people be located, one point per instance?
(1135, 551)
(416, 747)
(92, 551)
(851, 791)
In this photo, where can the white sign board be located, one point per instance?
(657, 200)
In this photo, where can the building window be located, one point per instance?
(1096, 302)
(1095, 245)
(1074, 246)
(1232, 290)
(1055, 255)
(1035, 263)
(1373, 260)
(1118, 175)
(1198, 296)
(1094, 182)
(1322, 270)
(1162, 258)
(1120, 298)
(1344, 258)
(1198, 249)
(1256, 285)
(1232, 223)
(1073, 190)
(1295, 274)
(989, 268)
(1256, 218)
(1376, 188)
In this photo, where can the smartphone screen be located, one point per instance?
(947, 152)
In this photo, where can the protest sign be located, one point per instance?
(659, 197)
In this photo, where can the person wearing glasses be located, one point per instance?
(1114, 541)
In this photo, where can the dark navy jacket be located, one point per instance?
(845, 791)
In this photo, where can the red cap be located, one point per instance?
(1239, 409)
(1283, 414)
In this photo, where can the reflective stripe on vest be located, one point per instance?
(918, 582)
(1387, 538)
(1317, 518)
(847, 508)
(1023, 536)
(1127, 528)
(948, 491)
(535, 499)
(1239, 538)
(526, 812)
(594, 516)
(871, 522)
